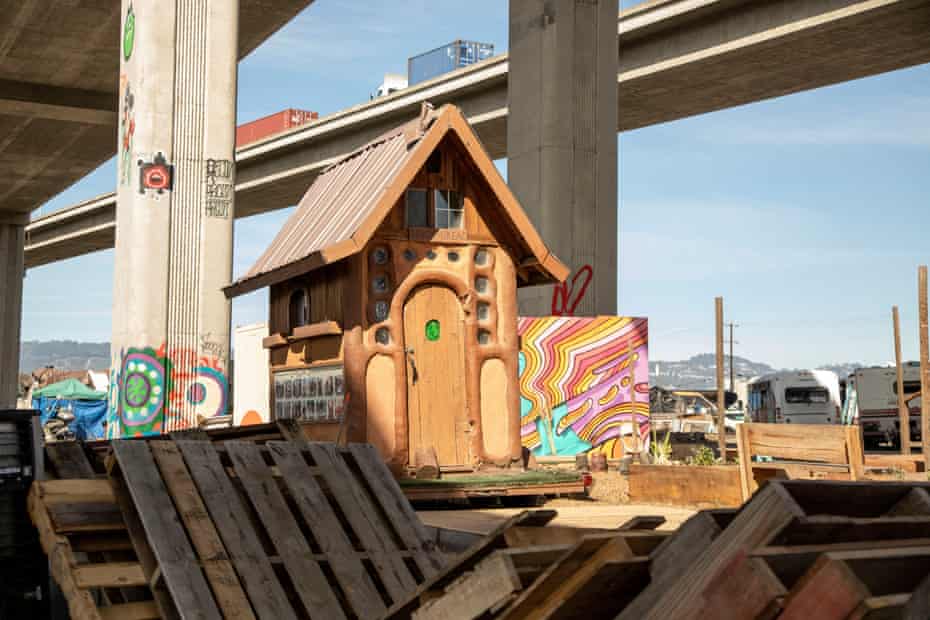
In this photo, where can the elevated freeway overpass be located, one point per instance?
(677, 58)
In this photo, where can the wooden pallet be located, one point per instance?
(526, 569)
(90, 555)
(280, 530)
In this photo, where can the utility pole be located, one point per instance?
(924, 365)
(721, 401)
(732, 325)
(904, 416)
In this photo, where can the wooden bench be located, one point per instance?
(800, 451)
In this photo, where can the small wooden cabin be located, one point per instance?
(393, 302)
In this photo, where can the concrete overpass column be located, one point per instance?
(12, 238)
(174, 214)
(562, 145)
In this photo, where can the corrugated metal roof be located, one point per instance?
(340, 199)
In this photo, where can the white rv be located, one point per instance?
(872, 403)
(795, 397)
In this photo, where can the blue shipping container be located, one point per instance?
(447, 58)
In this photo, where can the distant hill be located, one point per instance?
(64, 355)
(699, 371)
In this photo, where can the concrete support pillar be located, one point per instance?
(12, 238)
(562, 145)
(174, 215)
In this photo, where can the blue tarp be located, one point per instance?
(89, 415)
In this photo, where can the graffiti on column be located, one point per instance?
(154, 390)
(584, 384)
(567, 295)
(219, 188)
(129, 33)
(127, 130)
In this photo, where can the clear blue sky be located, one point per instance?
(808, 213)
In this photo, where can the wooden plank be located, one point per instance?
(799, 442)
(309, 581)
(365, 519)
(176, 559)
(915, 503)
(828, 590)
(327, 530)
(110, 575)
(140, 610)
(491, 582)
(235, 527)
(854, 452)
(219, 570)
(567, 576)
(383, 486)
(607, 592)
(890, 607)
(832, 529)
(747, 484)
(642, 522)
(69, 491)
(86, 517)
(768, 511)
(918, 606)
(69, 459)
(904, 414)
(746, 588)
(463, 563)
(711, 486)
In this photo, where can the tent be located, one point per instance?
(88, 406)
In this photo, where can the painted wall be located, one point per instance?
(580, 390)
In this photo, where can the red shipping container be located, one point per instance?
(272, 124)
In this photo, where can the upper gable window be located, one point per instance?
(449, 210)
(299, 308)
(417, 208)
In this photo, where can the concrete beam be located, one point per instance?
(57, 103)
(677, 58)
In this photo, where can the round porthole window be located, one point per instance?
(379, 255)
(481, 257)
(430, 254)
(432, 330)
(453, 257)
(410, 255)
(484, 311)
(481, 284)
(383, 335)
(484, 336)
(381, 310)
(379, 284)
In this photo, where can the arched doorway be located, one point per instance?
(435, 351)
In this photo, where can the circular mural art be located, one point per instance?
(142, 380)
(208, 391)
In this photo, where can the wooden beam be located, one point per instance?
(924, 363)
(721, 399)
(904, 416)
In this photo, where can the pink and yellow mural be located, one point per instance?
(584, 384)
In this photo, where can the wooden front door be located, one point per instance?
(434, 340)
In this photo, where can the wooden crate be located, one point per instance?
(280, 530)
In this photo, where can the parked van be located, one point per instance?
(795, 397)
(872, 403)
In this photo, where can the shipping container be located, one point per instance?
(447, 58)
(272, 124)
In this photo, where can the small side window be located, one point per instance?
(450, 212)
(299, 308)
(417, 213)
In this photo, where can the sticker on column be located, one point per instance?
(432, 330)
(156, 176)
(129, 33)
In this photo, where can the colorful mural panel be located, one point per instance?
(584, 384)
(153, 391)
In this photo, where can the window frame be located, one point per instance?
(293, 322)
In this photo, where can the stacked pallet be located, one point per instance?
(797, 550)
(194, 529)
